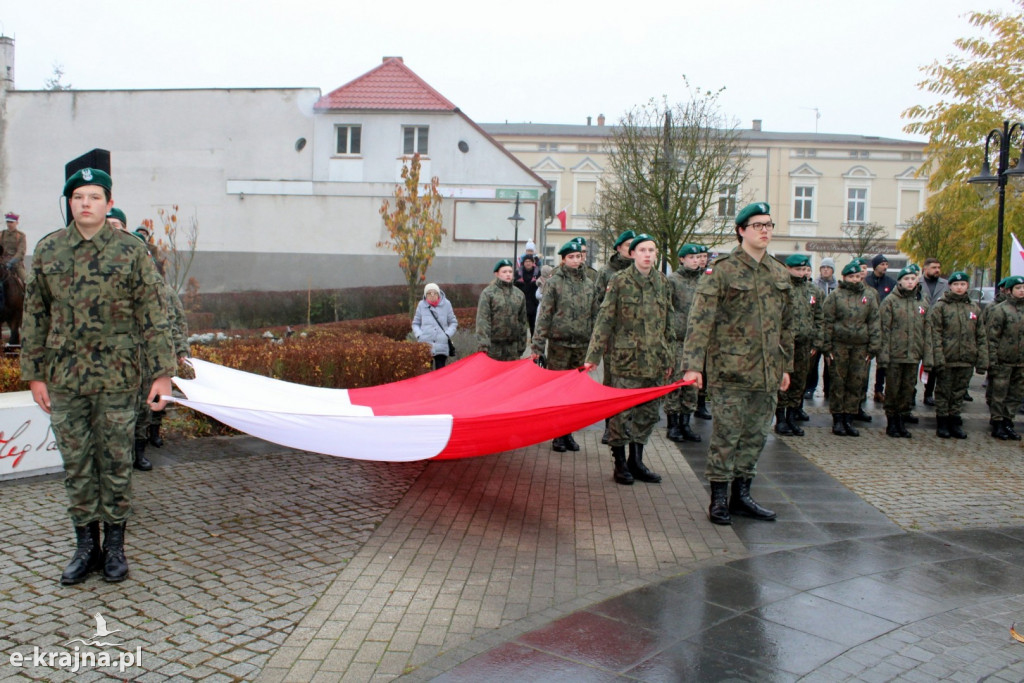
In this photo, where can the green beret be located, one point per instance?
(581, 240)
(1002, 283)
(501, 263)
(642, 237)
(852, 267)
(87, 176)
(624, 237)
(690, 248)
(749, 210)
(797, 260)
(118, 214)
(571, 247)
(959, 276)
(909, 270)
(1012, 281)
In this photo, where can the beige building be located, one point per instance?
(815, 182)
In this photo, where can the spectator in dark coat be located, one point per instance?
(526, 282)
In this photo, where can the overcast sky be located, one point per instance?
(543, 61)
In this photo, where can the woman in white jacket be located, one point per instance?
(435, 323)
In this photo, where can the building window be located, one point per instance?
(349, 139)
(542, 146)
(806, 152)
(803, 203)
(415, 139)
(856, 204)
(553, 147)
(726, 201)
(859, 154)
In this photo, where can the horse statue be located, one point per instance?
(14, 301)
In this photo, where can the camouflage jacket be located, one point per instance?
(95, 316)
(500, 315)
(633, 325)
(567, 310)
(616, 264)
(1004, 328)
(176, 318)
(684, 286)
(742, 322)
(954, 335)
(902, 318)
(808, 318)
(851, 318)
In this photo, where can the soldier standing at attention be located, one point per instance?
(741, 322)
(93, 299)
(501, 322)
(852, 337)
(680, 404)
(807, 322)
(566, 320)
(14, 245)
(1005, 331)
(632, 333)
(618, 262)
(955, 344)
(902, 318)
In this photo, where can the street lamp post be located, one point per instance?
(1000, 177)
(516, 220)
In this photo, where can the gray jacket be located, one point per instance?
(932, 295)
(427, 329)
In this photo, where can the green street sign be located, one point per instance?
(503, 193)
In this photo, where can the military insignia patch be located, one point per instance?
(86, 174)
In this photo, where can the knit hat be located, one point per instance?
(828, 263)
(851, 267)
(503, 262)
(431, 287)
(878, 259)
(959, 276)
(530, 246)
(532, 257)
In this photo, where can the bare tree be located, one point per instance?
(54, 81)
(861, 239)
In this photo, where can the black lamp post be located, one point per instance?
(516, 220)
(1000, 177)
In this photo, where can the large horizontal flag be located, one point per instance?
(472, 407)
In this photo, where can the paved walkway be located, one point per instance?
(892, 558)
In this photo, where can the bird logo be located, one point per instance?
(101, 632)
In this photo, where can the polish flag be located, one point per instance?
(1016, 257)
(562, 218)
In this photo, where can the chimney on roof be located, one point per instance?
(757, 125)
(588, 120)
(386, 58)
(600, 119)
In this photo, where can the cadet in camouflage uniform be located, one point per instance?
(632, 333)
(92, 301)
(741, 323)
(501, 322)
(955, 344)
(618, 262)
(680, 404)
(588, 270)
(565, 321)
(851, 338)
(1004, 328)
(807, 300)
(902, 320)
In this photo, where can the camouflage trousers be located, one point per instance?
(94, 434)
(145, 416)
(742, 421)
(511, 350)
(950, 388)
(900, 387)
(1007, 385)
(849, 378)
(683, 399)
(792, 397)
(633, 425)
(562, 357)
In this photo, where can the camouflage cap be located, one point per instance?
(118, 214)
(501, 263)
(852, 267)
(1013, 281)
(87, 176)
(642, 237)
(798, 260)
(571, 247)
(690, 249)
(755, 209)
(624, 237)
(959, 276)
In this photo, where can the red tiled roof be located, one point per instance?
(392, 85)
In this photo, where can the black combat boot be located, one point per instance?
(901, 428)
(702, 409)
(570, 443)
(890, 426)
(861, 416)
(115, 566)
(718, 511)
(558, 444)
(956, 427)
(154, 432)
(942, 426)
(637, 467)
(141, 462)
(837, 424)
(791, 421)
(848, 425)
(673, 434)
(910, 418)
(799, 414)
(87, 558)
(1008, 426)
(999, 429)
(740, 503)
(781, 425)
(606, 435)
(622, 475)
(685, 430)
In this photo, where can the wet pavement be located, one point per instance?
(892, 559)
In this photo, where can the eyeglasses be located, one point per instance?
(761, 227)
